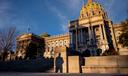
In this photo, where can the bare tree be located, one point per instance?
(7, 40)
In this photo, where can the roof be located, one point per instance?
(90, 9)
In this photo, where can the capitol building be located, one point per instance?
(91, 31)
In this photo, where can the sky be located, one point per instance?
(52, 16)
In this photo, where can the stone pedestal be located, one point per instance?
(73, 64)
(63, 52)
(106, 64)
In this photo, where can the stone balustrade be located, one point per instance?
(106, 64)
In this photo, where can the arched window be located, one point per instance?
(99, 12)
(82, 15)
(93, 13)
(86, 14)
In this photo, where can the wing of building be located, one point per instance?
(118, 31)
(51, 43)
(32, 45)
(29, 46)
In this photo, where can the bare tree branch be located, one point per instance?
(7, 39)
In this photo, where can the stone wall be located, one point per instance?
(118, 31)
(73, 64)
(36, 65)
(63, 52)
(106, 64)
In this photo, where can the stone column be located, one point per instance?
(78, 36)
(94, 41)
(115, 43)
(76, 33)
(92, 32)
(101, 33)
(105, 37)
(71, 38)
(81, 37)
(90, 35)
(84, 37)
(101, 36)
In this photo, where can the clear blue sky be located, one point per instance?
(52, 16)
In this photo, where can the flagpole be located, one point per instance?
(28, 30)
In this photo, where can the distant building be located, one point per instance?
(118, 31)
(41, 46)
(29, 46)
(55, 41)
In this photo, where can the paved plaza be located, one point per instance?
(56, 74)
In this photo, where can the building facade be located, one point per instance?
(51, 43)
(118, 31)
(93, 29)
(37, 46)
(29, 46)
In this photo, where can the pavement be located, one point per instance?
(56, 74)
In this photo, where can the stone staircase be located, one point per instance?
(51, 70)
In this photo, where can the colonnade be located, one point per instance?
(86, 37)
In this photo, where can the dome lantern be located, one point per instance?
(90, 1)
